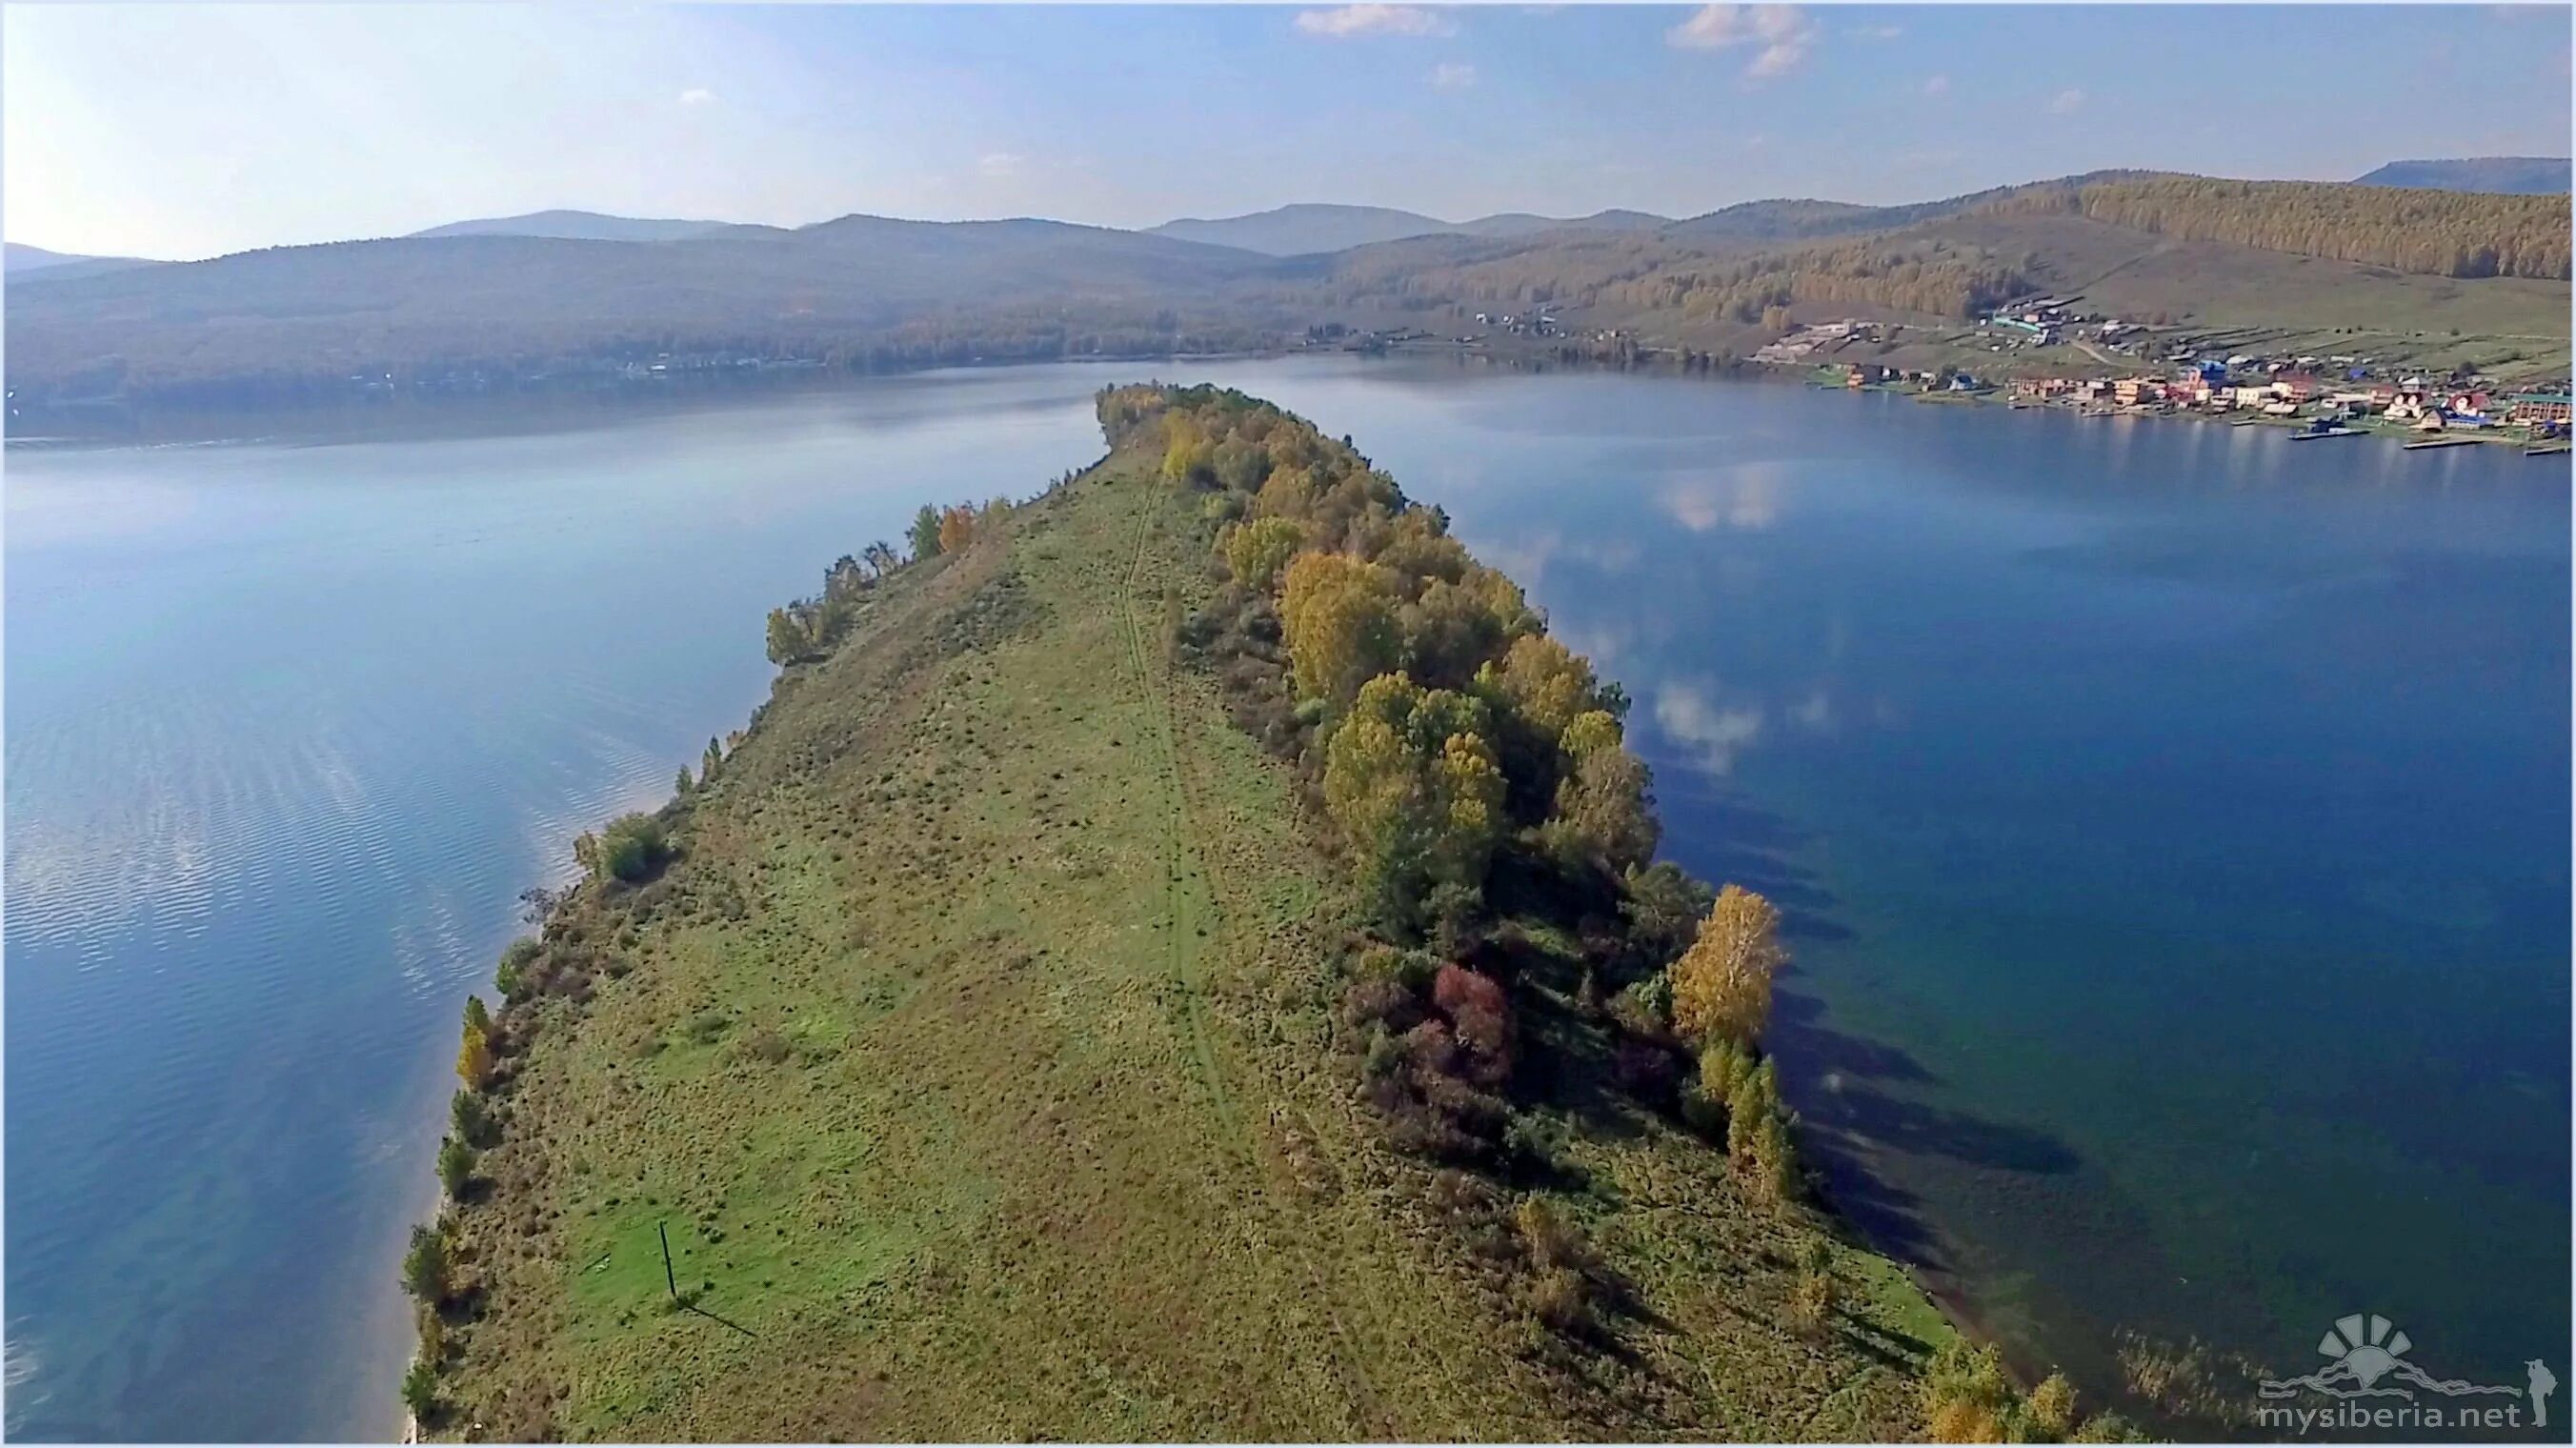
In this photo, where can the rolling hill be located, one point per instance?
(2510, 175)
(1302, 229)
(578, 226)
(1310, 229)
(34, 263)
(869, 293)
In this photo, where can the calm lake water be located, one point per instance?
(2173, 824)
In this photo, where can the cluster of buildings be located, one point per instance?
(2428, 405)
(1821, 340)
(1540, 323)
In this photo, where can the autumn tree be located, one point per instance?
(1542, 683)
(1454, 627)
(474, 1059)
(1411, 781)
(1722, 984)
(956, 529)
(1338, 615)
(1256, 551)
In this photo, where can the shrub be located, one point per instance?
(2051, 1406)
(472, 1119)
(420, 1389)
(1559, 1297)
(1811, 1304)
(455, 1166)
(511, 977)
(631, 847)
(1480, 1019)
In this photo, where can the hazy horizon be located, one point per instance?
(1133, 116)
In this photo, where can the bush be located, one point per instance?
(2051, 1406)
(631, 847)
(1559, 1297)
(1810, 1309)
(455, 1166)
(472, 1119)
(512, 974)
(420, 1389)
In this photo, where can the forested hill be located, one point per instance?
(477, 312)
(2436, 233)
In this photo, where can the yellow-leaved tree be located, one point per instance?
(1722, 984)
(1542, 681)
(1338, 615)
(474, 1058)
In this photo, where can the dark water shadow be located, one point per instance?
(1890, 1123)
(1814, 1050)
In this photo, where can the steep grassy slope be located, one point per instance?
(976, 1054)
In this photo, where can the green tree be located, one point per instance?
(424, 1266)
(1605, 813)
(455, 1166)
(420, 1389)
(1409, 778)
(788, 640)
(1256, 551)
(924, 533)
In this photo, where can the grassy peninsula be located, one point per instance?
(1174, 959)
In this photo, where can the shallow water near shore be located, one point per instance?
(2172, 825)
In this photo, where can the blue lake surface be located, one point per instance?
(2172, 821)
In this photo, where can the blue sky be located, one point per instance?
(188, 131)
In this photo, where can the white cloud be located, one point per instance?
(1001, 165)
(1370, 19)
(697, 95)
(1783, 34)
(1714, 735)
(1937, 86)
(1451, 76)
(2066, 102)
(1744, 497)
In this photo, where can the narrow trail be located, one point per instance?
(1187, 843)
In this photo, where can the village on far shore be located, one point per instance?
(2178, 372)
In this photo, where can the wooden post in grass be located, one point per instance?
(668, 1278)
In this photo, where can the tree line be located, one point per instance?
(2436, 233)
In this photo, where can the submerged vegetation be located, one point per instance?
(1001, 1043)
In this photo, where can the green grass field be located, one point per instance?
(977, 1057)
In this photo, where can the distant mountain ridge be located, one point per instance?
(578, 226)
(2505, 175)
(25, 263)
(869, 293)
(1309, 228)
